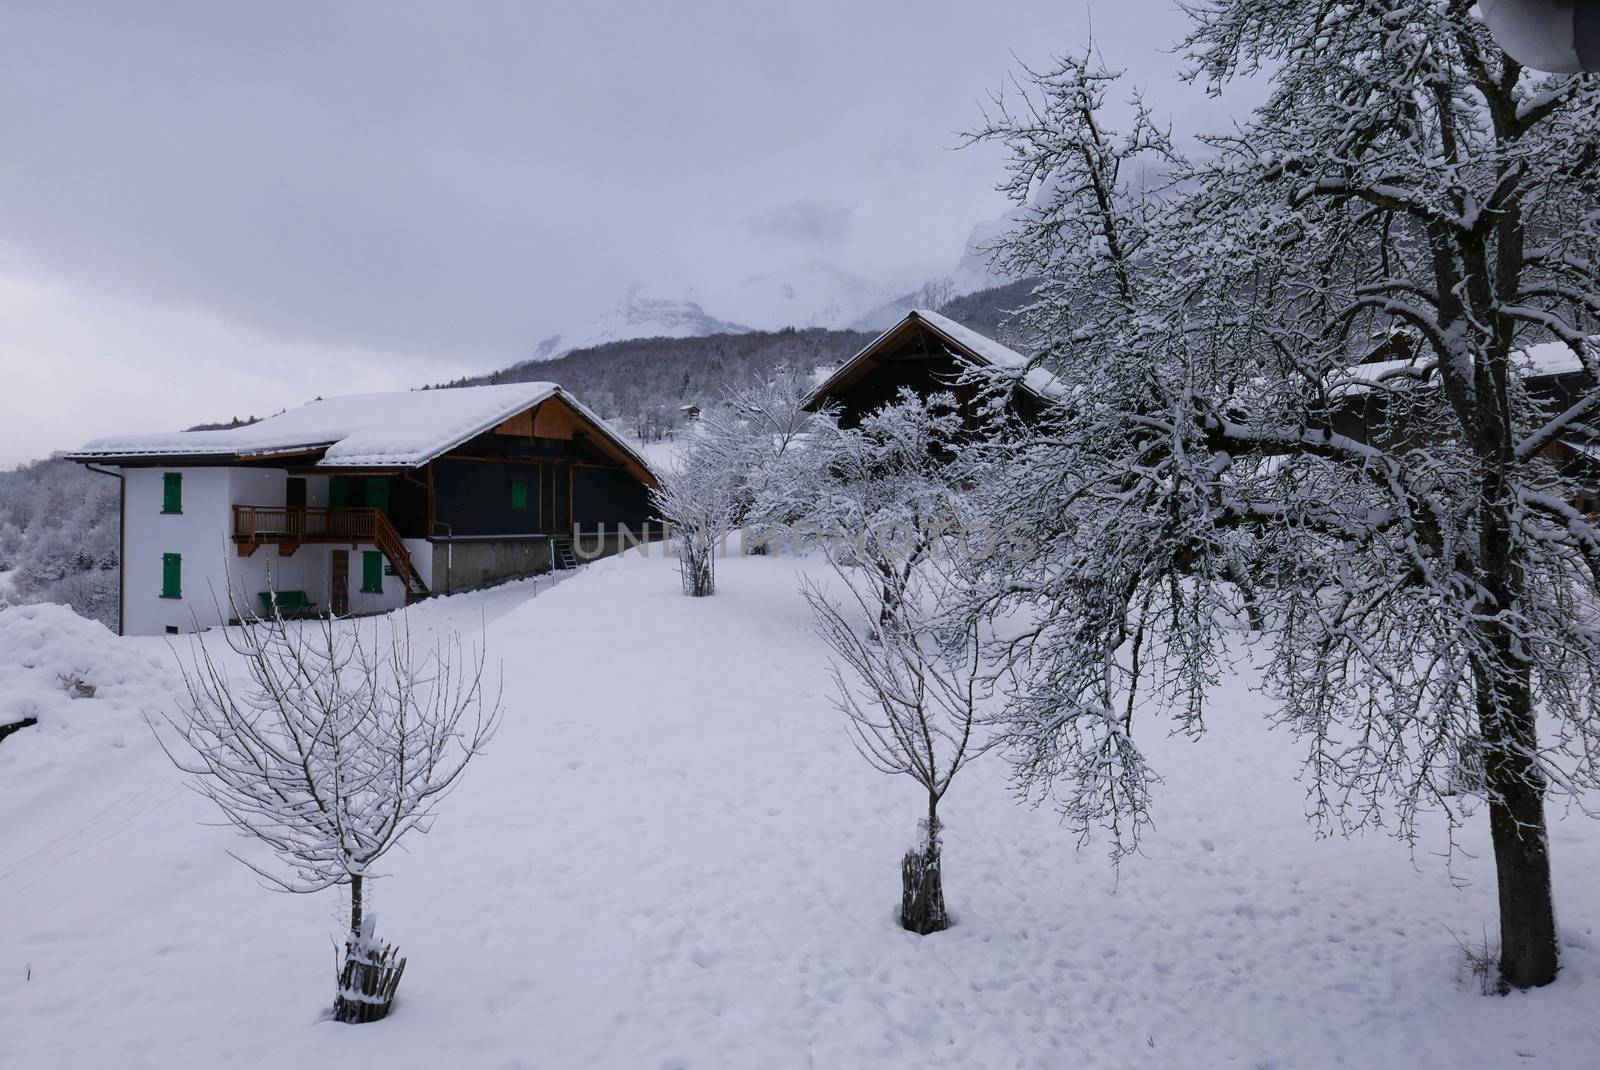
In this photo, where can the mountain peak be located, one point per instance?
(640, 315)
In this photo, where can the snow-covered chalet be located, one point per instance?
(927, 352)
(360, 504)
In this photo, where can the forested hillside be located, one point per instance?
(58, 537)
(991, 311)
(640, 385)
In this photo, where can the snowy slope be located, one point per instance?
(811, 292)
(672, 858)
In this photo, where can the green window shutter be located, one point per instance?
(372, 571)
(171, 575)
(172, 492)
(338, 492)
(519, 495)
(378, 494)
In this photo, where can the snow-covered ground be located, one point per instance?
(671, 858)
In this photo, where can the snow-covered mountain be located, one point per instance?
(973, 272)
(814, 292)
(809, 293)
(640, 315)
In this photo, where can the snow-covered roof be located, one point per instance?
(1037, 379)
(969, 342)
(397, 430)
(1552, 358)
(1543, 360)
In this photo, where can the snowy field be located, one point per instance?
(672, 858)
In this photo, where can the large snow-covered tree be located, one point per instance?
(1427, 581)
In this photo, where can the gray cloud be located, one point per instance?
(805, 223)
(449, 183)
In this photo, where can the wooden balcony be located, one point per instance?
(288, 527)
(254, 525)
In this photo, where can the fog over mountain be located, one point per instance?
(815, 292)
(207, 208)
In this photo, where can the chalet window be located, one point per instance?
(338, 492)
(371, 572)
(172, 492)
(519, 494)
(171, 575)
(378, 494)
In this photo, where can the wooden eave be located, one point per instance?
(896, 346)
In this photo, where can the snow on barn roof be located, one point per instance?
(970, 343)
(395, 430)
(1543, 360)
(994, 353)
(1552, 358)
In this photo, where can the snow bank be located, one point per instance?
(54, 662)
(83, 684)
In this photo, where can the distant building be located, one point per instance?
(928, 353)
(360, 504)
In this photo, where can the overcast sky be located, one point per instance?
(215, 209)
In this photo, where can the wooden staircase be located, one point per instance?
(562, 556)
(387, 539)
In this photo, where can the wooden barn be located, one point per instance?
(927, 353)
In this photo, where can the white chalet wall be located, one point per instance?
(212, 567)
(199, 533)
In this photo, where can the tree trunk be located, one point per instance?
(1528, 947)
(17, 726)
(922, 908)
(1506, 720)
(355, 908)
(369, 973)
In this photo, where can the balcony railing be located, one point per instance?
(280, 523)
(289, 525)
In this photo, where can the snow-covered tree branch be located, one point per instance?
(1317, 397)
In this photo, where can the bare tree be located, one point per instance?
(910, 679)
(1427, 576)
(699, 499)
(340, 740)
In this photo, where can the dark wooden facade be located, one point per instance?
(540, 472)
(918, 355)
